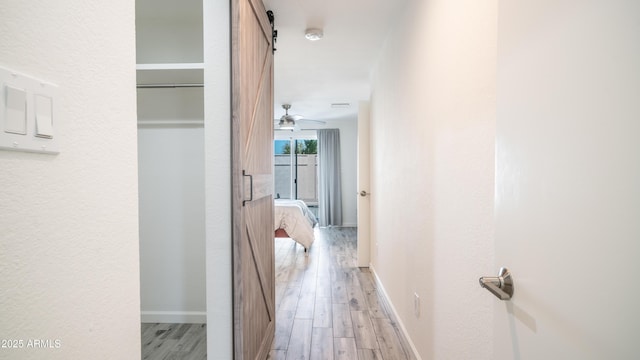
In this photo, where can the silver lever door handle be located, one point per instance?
(501, 286)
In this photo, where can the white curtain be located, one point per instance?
(329, 188)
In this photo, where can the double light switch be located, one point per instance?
(27, 113)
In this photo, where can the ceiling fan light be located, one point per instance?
(313, 34)
(286, 123)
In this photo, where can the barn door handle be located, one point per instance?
(244, 173)
(501, 286)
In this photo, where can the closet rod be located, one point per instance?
(167, 86)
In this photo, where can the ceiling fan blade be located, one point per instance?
(312, 121)
(285, 129)
(288, 120)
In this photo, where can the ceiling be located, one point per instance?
(311, 75)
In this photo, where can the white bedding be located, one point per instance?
(294, 217)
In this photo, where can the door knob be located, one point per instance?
(501, 286)
(364, 193)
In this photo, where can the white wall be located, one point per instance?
(432, 173)
(69, 238)
(217, 130)
(172, 218)
(348, 161)
(169, 31)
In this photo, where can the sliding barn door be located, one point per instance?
(252, 139)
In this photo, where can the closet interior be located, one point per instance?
(171, 168)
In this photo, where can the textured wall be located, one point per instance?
(432, 157)
(69, 223)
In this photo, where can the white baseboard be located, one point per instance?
(395, 313)
(174, 317)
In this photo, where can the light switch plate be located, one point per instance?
(28, 113)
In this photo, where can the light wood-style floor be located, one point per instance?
(326, 309)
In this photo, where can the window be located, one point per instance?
(296, 172)
(282, 170)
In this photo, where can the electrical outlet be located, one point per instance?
(416, 305)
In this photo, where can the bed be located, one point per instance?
(293, 219)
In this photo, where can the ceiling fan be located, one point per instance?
(289, 122)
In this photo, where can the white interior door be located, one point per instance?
(568, 179)
(364, 197)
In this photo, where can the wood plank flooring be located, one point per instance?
(326, 309)
(174, 341)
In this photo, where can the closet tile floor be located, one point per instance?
(326, 309)
(174, 341)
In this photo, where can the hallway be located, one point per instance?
(327, 308)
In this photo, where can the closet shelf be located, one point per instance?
(176, 74)
(171, 122)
